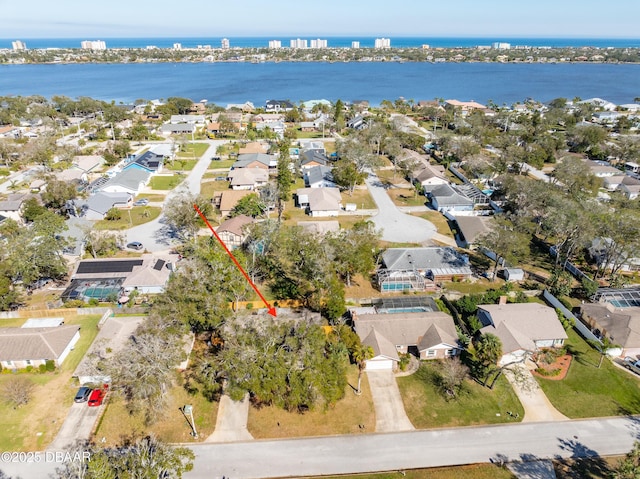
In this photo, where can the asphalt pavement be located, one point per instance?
(396, 226)
(156, 235)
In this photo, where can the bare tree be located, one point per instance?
(452, 374)
(17, 391)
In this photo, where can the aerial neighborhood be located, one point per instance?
(317, 268)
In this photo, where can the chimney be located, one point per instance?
(502, 300)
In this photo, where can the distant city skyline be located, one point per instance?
(289, 18)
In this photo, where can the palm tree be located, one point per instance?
(360, 355)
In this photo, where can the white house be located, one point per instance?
(22, 347)
(320, 201)
(248, 178)
(131, 180)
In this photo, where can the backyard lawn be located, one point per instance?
(137, 215)
(34, 425)
(166, 182)
(427, 407)
(591, 392)
(345, 417)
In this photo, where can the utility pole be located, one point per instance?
(188, 409)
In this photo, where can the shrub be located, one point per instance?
(548, 373)
(94, 302)
(113, 214)
(42, 369)
(50, 365)
(405, 359)
(249, 306)
(74, 303)
(28, 368)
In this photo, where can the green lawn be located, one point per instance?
(360, 197)
(217, 164)
(181, 164)
(208, 189)
(438, 220)
(193, 149)
(427, 407)
(152, 197)
(591, 392)
(406, 197)
(166, 182)
(139, 215)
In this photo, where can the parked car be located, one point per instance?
(141, 202)
(632, 364)
(83, 394)
(135, 245)
(97, 396)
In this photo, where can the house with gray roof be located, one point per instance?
(248, 178)
(131, 180)
(319, 177)
(22, 347)
(256, 160)
(12, 206)
(447, 198)
(311, 158)
(471, 228)
(522, 328)
(620, 325)
(319, 201)
(96, 206)
(428, 335)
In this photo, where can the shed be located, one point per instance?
(513, 274)
(43, 322)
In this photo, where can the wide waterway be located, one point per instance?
(223, 83)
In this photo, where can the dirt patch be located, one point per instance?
(557, 370)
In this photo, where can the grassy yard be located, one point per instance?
(360, 197)
(427, 407)
(33, 426)
(139, 216)
(208, 189)
(591, 392)
(193, 150)
(181, 164)
(117, 423)
(472, 471)
(152, 197)
(406, 197)
(218, 164)
(439, 221)
(343, 418)
(166, 182)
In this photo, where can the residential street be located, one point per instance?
(396, 226)
(155, 235)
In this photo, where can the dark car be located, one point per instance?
(83, 394)
(135, 245)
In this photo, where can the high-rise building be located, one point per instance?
(93, 45)
(177, 46)
(355, 44)
(224, 43)
(317, 43)
(501, 46)
(297, 43)
(19, 45)
(382, 43)
(275, 44)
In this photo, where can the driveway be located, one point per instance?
(390, 414)
(537, 407)
(231, 423)
(156, 235)
(397, 227)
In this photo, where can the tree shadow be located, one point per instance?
(583, 461)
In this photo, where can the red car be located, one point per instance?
(97, 396)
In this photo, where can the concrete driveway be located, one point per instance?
(77, 426)
(396, 226)
(537, 407)
(390, 414)
(231, 423)
(156, 235)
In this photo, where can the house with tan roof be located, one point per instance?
(472, 228)
(465, 107)
(319, 201)
(523, 328)
(428, 175)
(233, 232)
(428, 335)
(22, 347)
(248, 178)
(227, 200)
(620, 325)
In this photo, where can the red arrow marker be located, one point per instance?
(271, 309)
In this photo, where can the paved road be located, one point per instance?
(396, 226)
(156, 235)
(417, 449)
(387, 402)
(398, 451)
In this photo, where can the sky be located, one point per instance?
(421, 18)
